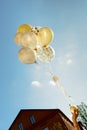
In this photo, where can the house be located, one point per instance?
(41, 119)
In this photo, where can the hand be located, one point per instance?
(74, 111)
(75, 114)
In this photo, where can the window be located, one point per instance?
(20, 126)
(46, 128)
(32, 119)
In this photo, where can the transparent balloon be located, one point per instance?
(24, 28)
(29, 40)
(45, 36)
(27, 56)
(36, 29)
(17, 38)
(45, 54)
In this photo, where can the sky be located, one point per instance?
(30, 86)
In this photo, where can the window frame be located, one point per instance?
(32, 119)
(20, 126)
(46, 128)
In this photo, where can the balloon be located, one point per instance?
(45, 54)
(29, 40)
(18, 37)
(45, 36)
(24, 28)
(36, 29)
(26, 55)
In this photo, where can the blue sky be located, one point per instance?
(68, 20)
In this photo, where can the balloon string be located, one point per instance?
(63, 91)
(56, 80)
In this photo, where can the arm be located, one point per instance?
(75, 113)
(74, 119)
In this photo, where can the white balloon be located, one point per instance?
(29, 40)
(17, 38)
(27, 55)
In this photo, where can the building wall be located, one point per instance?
(43, 119)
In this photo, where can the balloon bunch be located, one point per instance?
(34, 42)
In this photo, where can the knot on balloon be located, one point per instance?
(55, 78)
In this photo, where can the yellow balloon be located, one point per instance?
(26, 56)
(17, 38)
(29, 40)
(24, 28)
(45, 36)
